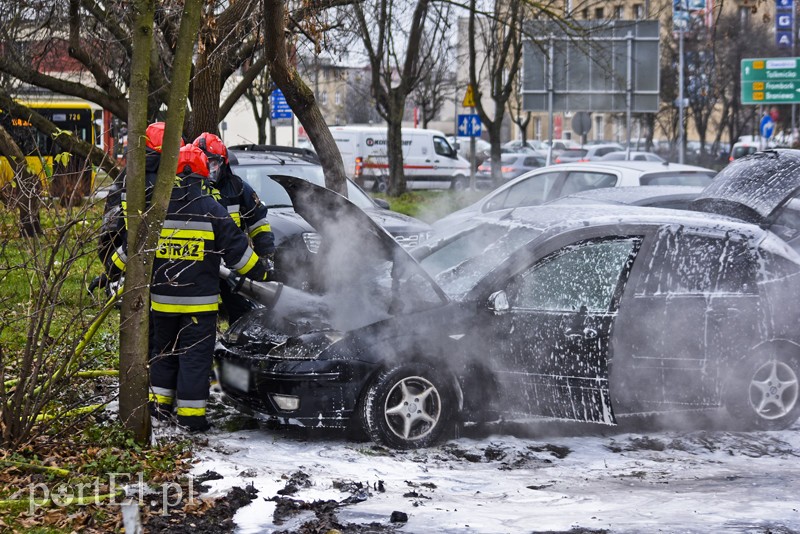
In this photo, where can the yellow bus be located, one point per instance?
(68, 177)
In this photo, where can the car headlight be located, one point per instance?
(312, 241)
(305, 347)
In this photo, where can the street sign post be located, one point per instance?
(771, 81)
(280, 108)
(469, 125)
(767, 127)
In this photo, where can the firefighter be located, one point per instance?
(114, 220)
(244, 207)
(197, 234)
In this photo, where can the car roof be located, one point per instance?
(274, 157)
(547, 219)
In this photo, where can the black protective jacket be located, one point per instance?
(114, 221)
(245, 208)
(197, 235)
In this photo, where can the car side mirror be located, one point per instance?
(498, 302)
(381, 203)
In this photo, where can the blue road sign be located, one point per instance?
(469, 125)
(783, 21)
(784, 4)
(783, 39)
(279, 108)
(767, 126)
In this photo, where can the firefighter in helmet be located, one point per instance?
(244, 207)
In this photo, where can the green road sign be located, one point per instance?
(771, 81)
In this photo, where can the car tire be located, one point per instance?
(460, 183)
(380, 185)
(764, 392)
(409, 407)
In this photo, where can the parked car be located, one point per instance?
(548, 183)
(296, 241)
(512, 165)
(635, 155)
(519, 146)
(742, 149)
(514, 315)
(762, 188)
(428, 159)
(587, 153)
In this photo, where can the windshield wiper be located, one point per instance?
(279, 206)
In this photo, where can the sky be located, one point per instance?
(679, 479)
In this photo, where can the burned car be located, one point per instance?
(586, 313)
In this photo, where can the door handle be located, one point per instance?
(427, 161)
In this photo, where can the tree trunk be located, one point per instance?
(206, 87)
(25, 189)
(299, 97)
(394, 148)
(144, 224)
(133, 346)
(494, 128)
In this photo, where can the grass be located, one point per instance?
(431, 205)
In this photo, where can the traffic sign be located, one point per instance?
(767, 126)
(771, 81)
(469, 98)
(279, 108)
(469, 125)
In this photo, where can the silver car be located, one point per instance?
(556, 181)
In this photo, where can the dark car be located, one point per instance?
(587, 313)
(296, 241)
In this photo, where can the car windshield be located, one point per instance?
(273, 195)
(460, 261)
(508, 160)
(677, 178)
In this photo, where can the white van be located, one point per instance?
(428, 159)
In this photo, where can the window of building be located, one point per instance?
(324, 98)
(619, 12)
(599, 13)
(338, 98)
(585, 13)
(638, 11)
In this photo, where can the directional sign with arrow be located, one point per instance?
(771, 81)
(469, 125)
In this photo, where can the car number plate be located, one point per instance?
(235, 376)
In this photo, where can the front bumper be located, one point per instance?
(326, 391)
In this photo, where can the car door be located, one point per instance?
(553, 342)
(689, 311)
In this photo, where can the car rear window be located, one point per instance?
(574, 153)
(508, 160)
(742, 151)
(677, 178)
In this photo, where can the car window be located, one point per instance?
(508, 160)
(582, 274)
(531, 192)
(584, 180)
(787, 223)
(573, 153)
(696, 264)
(606, 150)
(742, 151)
(677, 178)
(534, 162)
(272, 194)
(442, 147)
(459, 263)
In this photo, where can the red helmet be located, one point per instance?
(154, 136)
(211, 145)
(192, 159)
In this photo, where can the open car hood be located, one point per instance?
(351, 240)
(754, 187)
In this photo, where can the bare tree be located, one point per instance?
(258, 95)
(498, 35)
(436, 84)
(299, 96)
(393, 33)
(145, 222)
